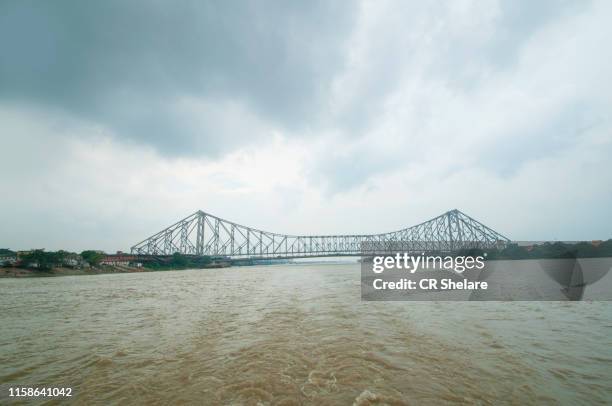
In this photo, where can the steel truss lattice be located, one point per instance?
(204, 234)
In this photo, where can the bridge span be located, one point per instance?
(204, 234)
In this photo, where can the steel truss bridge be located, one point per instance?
(204, 234)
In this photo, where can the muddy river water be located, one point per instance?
(293, 335)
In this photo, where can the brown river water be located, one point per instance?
(292, 335)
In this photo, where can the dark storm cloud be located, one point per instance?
(126, 65)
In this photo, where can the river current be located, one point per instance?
(293, 335)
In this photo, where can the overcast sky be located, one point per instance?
(119, 118)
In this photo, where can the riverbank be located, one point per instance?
(62, 271)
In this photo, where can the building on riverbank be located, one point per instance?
(121, 259)
(7, 257)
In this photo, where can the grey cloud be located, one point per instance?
(124, 65)
(442, 55)
(561, 132)
(436, 44)
(494, 43)
(519, 20)
(346, 169)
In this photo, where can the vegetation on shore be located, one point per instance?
(94, 262)
(93, 258)
(547, 250)
(44, 261)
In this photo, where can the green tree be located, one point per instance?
(41, 260)
(179, 260)
(92, 257)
